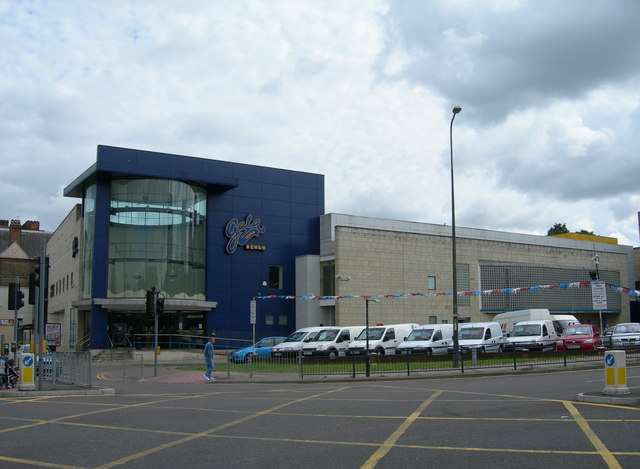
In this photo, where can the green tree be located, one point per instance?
(557, 228)
(586, 232)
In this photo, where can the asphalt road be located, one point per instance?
(525, 421)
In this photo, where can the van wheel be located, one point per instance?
(333, 354)
(380, 351)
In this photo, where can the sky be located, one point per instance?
(360, 91)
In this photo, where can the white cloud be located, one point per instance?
(326, 87)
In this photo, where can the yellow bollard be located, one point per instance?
(615, 373)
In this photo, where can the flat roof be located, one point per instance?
(400, 226)
(128, 162)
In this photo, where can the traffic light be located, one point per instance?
(160, 306)
(151, 296)
(16, 297)
(594, 275)
(34, 282)
(19, 298)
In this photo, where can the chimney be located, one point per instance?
(31, 225)
(15, 231)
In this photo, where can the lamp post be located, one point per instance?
(456, 345)
(367, 366)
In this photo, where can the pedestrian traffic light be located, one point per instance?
(160, 306)
(16, 297)
(594, 275)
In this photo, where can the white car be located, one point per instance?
(533, 335)
(330, 342)
(292, 345)
(484, 336)
(383, 340)
(431, 339)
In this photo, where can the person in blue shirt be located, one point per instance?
(208, 358)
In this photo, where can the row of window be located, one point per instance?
(61, 285)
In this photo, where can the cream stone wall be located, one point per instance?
(383, 261)
(64, 275)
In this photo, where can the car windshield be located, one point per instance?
(312, 336)
(375, 333)
(627, 328)
(522, 330)
(327, 335)
(264, 343)
(578, 330)
(471, 333)
(420, 334)
(295, 337)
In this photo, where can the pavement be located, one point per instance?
(528, 421)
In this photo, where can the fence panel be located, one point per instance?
(68, 368)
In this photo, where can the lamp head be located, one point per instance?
(456, 109)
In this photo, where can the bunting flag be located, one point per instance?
(496, 291)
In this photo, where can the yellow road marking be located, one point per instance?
(597, 443)
(31, 462)
(186, 439)
(382, 451)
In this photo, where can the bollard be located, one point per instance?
(474, 357)
(615, 373)
(228, 364)
(142, 366)
(300, 359)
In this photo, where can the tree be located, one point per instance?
(557, 228)
(586, 232)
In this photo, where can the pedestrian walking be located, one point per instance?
(4, 379)
(208, 358)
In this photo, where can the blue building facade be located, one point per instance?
(208, 234)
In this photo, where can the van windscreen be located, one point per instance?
(375, 333)
(523, 330)
(295, 337)
(420, 334)
(467, 333)
(327, 335)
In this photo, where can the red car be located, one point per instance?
(579, 337)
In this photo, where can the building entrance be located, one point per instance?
(135, 329)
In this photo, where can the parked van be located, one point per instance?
(430, 339)
(293, 344)
(330, 342)
(510, 319)
(484, 336)
(382, 339)
(562, 321)
(533, 335)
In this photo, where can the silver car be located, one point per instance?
(625, 335)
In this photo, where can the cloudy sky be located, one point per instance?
(360, 91)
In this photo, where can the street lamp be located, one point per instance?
(367, 299)
(456, 345)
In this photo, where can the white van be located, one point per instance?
(293, 344)
(484, 336)
(510, 319)
(430, 339)
(330, 342)
(533, 335)
(562, 321)
(382, 339)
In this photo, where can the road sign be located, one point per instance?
(615, 372)
(27, 374)
(599, 295)
(252, 312)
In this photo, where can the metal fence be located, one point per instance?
(66, 368)
(297, 365)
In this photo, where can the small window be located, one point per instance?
(544, 330)
(52, 293)
(431, 282)
(268, 320)
(71, 279)
(445, 321)
(344, 337)
(391, 335)
(283, 320)
(437, 336)
(67, 281)
(487, 334)
(275, 277)
(433, 319)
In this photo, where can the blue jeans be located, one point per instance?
(209, 368)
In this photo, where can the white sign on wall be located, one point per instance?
(599, 295)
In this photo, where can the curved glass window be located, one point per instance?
(157, 235)
(88, 230)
